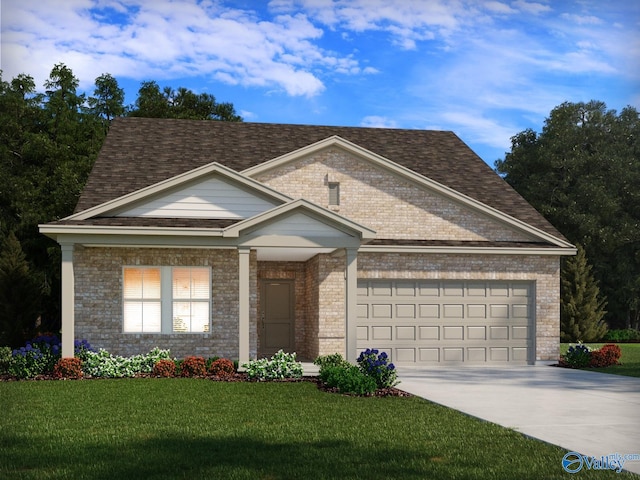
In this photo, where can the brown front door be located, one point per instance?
(277, 318)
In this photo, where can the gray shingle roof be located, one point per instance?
(139, 152)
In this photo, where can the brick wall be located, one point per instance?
(392, 206)
(98, 292)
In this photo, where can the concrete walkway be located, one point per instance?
(592, 413)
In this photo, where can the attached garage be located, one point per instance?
(427, 322)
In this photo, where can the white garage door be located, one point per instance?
(447, 322)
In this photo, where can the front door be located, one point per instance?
(276, 317)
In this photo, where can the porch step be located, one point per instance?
(310, 370)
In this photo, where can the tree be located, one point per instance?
(582, 309)
(581, 172)
(180, 103)
(108, 99)
(20, 295)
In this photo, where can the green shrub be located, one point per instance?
(282, 365)
(348, 379)
(68, 368)
(193, 367)
(164, 368)
(624, 335)
(222, 368)
(332, 360)
(103, 364)
(5, 359)
(577, 356)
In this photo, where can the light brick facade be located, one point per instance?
(393, 206)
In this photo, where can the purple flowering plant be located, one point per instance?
(40, 354)
(376, 364)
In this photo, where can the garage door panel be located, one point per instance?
(477, 332)
(429, 333)
(499, 332)
(381, 333)
(362, 333)
(406, 289)
(381, 310)
(499, 311)
(429, 311)
(446, 322)
(476, 354)
(452, 332)
(406, 311)
(453, 311)
(406, 333)
(451, 354)
(476, 311)
(429, 289)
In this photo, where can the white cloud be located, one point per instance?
(374, 121)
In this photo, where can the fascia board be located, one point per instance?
(404, 172)
(55, 230)
(467, 250)
(321, 214)
(170, 183)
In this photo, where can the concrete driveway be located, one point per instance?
(591, 413)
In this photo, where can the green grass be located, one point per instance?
(199, 429)
(630, 359)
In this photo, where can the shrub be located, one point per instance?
(39, 356)
(623, 335)
(377, 366)
(222, 368)
(5, 359)
(193, 367)
(347, 379)
(608, 355)
(103, 364)
(577, 356)
(332, 360)
(164, 368)
(68, 368)
(282, 365)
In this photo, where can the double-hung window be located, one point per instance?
(166, 299)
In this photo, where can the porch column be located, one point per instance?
(67, 301)
(244, 305)
(351, 300)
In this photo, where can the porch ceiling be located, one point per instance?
(289, 254)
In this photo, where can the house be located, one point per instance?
(240, 239)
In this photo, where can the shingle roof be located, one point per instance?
(139, 152)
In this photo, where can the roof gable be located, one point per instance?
(211, 191)
(141, 152)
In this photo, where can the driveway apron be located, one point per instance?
(591, 413)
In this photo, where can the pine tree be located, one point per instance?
(20, 295)
(582, 308)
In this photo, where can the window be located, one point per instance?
(166, 299)
(142, 303)
(334, 193)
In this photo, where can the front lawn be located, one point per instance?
(200, 429)
(629, 361)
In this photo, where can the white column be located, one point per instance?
(244, 304)
(351, 300)
(68, 301)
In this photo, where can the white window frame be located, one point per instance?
(167, 300)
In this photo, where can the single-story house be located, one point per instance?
(241, 239)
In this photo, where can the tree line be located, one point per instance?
(48, 143)
(582, 172)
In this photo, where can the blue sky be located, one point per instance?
(483, 69)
